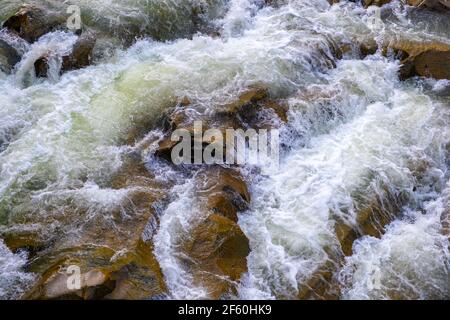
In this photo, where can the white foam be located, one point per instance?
(13, 279)
(410, 261)
(291, 223)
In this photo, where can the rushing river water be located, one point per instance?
(356, 135)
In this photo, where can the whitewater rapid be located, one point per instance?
(355, 132)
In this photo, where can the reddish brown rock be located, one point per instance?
(217, 248)
(81, 55)
(375, 2)
(32, 21)
(440, 5)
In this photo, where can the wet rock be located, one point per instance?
(375, 2)
(140, 279)
(414, 48)
(431, 64)
(426, 59)
(321, 285)
(182, 117)
(41, 67)
(23, 237)
(440, 5)
(9, 57)
(80, 57)
(224, 192)
(264, 114)
(57, 284)
(253, 94)
(252, 109)
(371, 220)
(217, 248)
(115, 260)
(445, 216)
(368, 48)
(105, 273)
(32, 21)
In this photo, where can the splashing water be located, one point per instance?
(355, 133)
(13, 280)
(410, 261)
(52, 46)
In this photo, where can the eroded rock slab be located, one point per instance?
(217, 248)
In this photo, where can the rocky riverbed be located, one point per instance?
(358, 207)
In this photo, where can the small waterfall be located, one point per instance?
(52, 46)
(17, 43)
(176, 222)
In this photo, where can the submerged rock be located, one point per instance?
(217, 248)
(9, 57)
(253, 108)
(81, 55)
(375, 2)
(32, 21)
(114, 259)
(440, 5)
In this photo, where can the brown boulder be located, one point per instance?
(440, 5)
(9, 57)
(41, 67)
(80, 57)
(431, 63)
(217, 248)
(31, 22)
(252, 109)
(222, 191)
(371, 220)
(252, 94)
(321, 285)
(426, 59)
(375, 2)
